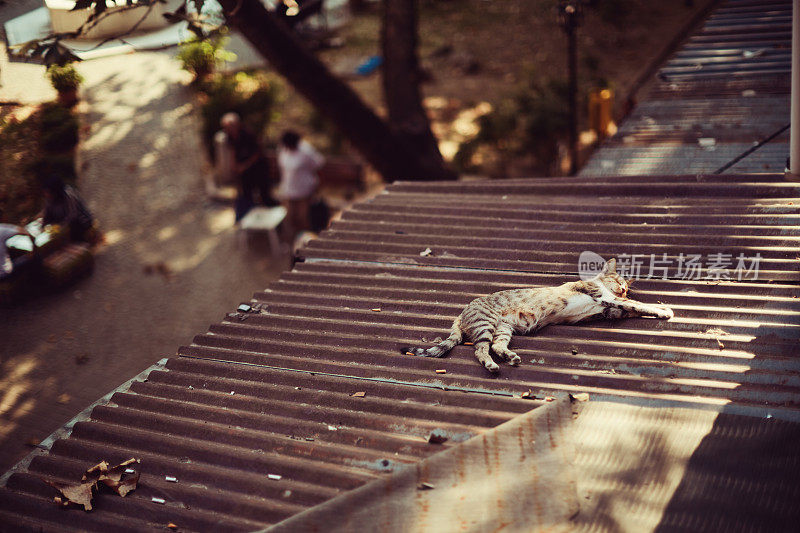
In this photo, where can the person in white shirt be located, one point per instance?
(298, 162)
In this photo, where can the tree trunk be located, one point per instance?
(389, 152)
(401, 79)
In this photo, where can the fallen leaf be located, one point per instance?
(574, 351)
(528, 394)
(409, 353)
(426, 252)
(549, 399)
(469, 344)
(720, 345)
(377, 310)
(441, 371)
(94, 473)
(172, 526)
(716, 331)
(358, 394)
(425, 486)
(78, 493)
(125, 486)
(581, 396)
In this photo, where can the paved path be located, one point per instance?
(142, 176)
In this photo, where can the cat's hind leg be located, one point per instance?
(482, 339)
(483, 356)
(502, 336)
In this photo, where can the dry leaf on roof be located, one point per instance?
(124, 486)
(81, 493)
(78, 493)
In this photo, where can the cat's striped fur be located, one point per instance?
(490, 321)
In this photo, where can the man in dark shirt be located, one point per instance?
(250, 166)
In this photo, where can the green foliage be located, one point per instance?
(31, 149)
(251, 95)
(64, 78)
(59, 128)
(201, 57)
(530, 122)
(326, 129)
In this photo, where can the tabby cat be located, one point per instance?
(493, 319)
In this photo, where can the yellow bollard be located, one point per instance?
(600, 103)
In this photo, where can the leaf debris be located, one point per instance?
(82, 493)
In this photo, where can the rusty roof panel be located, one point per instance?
(726, 89)
(272, 391)
(308, 396)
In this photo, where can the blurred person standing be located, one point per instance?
(250, 167)
(298, 162)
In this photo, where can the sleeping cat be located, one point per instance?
(493, 319)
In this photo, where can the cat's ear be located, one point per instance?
(610, 267)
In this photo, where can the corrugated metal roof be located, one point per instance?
(271, 391)
(306, 397)
(728, 85)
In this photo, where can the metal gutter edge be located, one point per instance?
(478, 482)
(64, 431)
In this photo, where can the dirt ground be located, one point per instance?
(143, 180)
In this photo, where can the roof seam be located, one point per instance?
(362, 262)
(443, 387)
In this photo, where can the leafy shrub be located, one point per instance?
(58, 127)
(64, 78)
(531, 122)
(201, 57)
(251, 95)
(62, 165)
(27, 149)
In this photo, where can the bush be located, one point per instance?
(251, 96)
(62, 165)
(58, 127)
(64, 78)
(201, 57)
(531, 122)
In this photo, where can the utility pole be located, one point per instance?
(569, 13)
(794, 134)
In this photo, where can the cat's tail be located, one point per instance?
(441, 349)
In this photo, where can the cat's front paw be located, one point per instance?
(665, 313)
(515, 361)
(492, 367)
